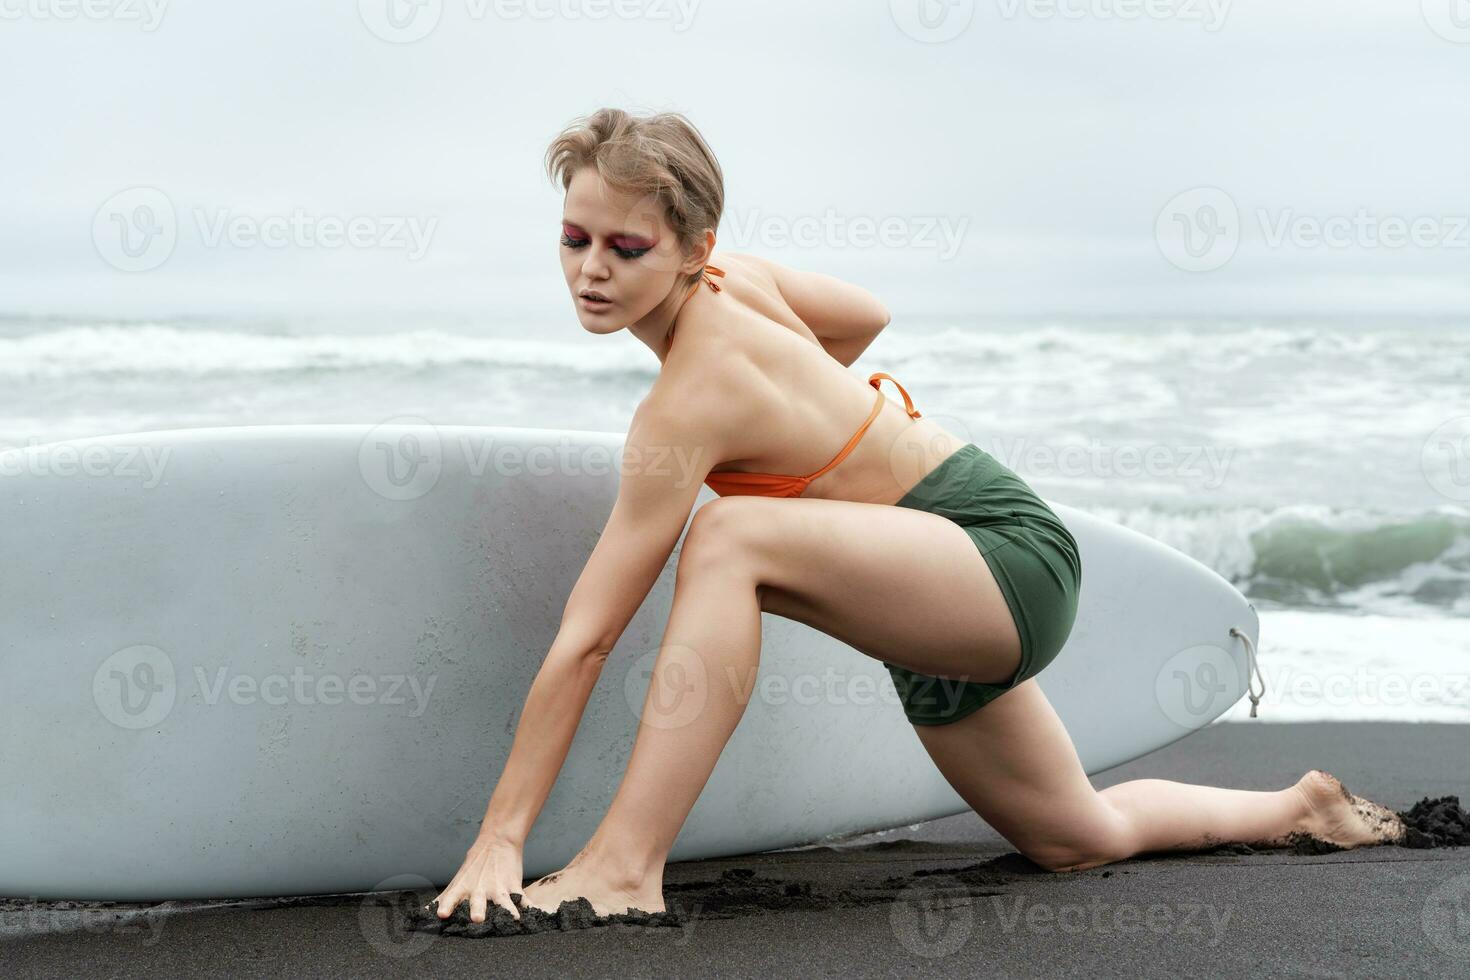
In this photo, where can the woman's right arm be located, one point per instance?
(665, 460)
(844, 316)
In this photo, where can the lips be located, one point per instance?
(593, 295)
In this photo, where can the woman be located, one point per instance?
(972, 578)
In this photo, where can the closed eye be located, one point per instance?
(627, 253)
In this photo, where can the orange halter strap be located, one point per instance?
(876, 380)
(706, 280)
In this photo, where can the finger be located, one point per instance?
(477, 905)
(503, 900)
(447, 900)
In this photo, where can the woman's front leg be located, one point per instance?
(697, 693)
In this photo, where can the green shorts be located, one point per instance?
(1033, 557)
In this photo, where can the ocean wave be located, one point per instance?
(1319, 557)
(65, 350)
(1150, 342)
(152, 349)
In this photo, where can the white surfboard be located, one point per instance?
(289, 660)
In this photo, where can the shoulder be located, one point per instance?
(705, 408)
(757, 267)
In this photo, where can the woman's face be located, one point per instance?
(618, 245)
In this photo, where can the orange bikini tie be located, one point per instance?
(876, 380)
(704, 278)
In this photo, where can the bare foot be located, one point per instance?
(1340, 818)
(581, 880)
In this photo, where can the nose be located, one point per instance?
(594, 267)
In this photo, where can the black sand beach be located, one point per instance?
(947, 897)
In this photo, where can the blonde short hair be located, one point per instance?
(660, 154)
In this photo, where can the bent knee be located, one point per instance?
(1095, 842)
(1071, 858)
(722, 534)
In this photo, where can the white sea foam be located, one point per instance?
(1322, 666)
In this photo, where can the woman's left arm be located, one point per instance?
(670, 450)
(668, 454)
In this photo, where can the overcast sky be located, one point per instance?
(993, 157)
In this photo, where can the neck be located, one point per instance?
(657, 328)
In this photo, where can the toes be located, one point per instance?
(1383, 823)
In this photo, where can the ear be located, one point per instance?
(700, 257)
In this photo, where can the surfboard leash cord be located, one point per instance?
(1251, 667)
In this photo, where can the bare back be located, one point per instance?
(794, 405)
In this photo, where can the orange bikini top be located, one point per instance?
(734, 482)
